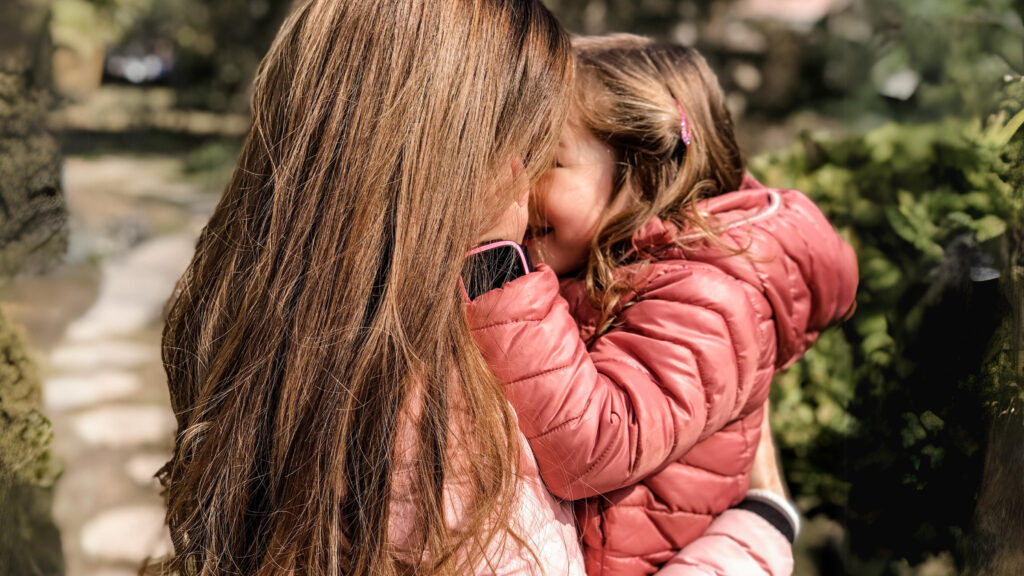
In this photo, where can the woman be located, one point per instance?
(334, 415)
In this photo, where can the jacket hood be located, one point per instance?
(750, 203)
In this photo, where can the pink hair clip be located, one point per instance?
(684, 126)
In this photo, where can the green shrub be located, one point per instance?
(29, 541)
(882, 425)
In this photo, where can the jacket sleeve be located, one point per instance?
(737, 543)
(681, 360)
(801, 265)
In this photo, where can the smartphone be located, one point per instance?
(491, 265)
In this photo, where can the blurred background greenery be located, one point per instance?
(902, 432)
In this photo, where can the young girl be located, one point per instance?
(687, 285)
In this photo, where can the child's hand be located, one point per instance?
(766, 473)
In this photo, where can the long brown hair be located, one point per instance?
(625, 94)
(323, 299)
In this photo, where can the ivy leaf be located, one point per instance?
(989, 227)
(1005, 133)
(910, 221)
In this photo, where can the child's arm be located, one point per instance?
(681, 363)
(754, 538)
(801, 265)
(684, 359)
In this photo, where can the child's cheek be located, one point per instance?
(561, 207)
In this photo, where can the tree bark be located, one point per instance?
(33, 233)
(32, 236)
(997, 540)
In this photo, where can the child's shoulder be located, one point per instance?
(747, 205)
(756, 230)
(777, 214)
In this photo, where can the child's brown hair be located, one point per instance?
(626, 94)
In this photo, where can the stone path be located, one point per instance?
(113, 424)
(104, 386)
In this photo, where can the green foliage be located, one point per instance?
(959, 51)
(25, 432)
(217, 45)
(29, 541)
(882, 423)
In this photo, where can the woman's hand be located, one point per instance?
(510, 224)
(767, 473)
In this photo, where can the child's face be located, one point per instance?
(570, 200)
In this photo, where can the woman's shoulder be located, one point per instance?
(546, 525)
(542, 538)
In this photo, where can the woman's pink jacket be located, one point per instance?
(653, 425)
(543, 539)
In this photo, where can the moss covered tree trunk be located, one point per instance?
(32, 236)
(29, 541)
(997, 542)
(32, 213)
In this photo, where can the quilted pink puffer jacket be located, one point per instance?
(653, 425)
